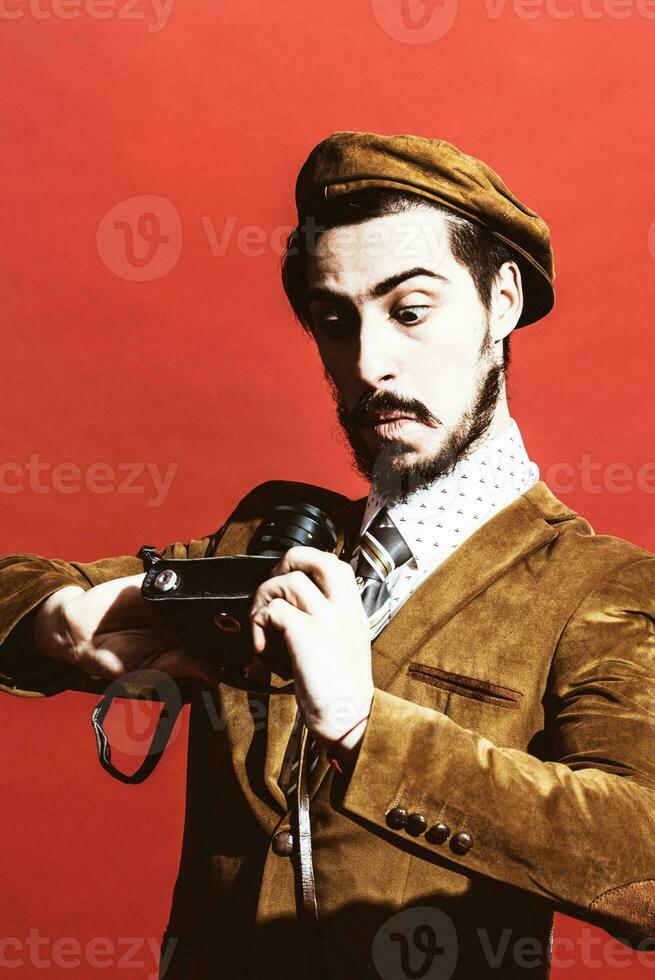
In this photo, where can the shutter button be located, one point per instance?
(282, 843)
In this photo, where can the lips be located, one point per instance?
(388, 417)
(389, 426)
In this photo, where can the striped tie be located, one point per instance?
(380, 551)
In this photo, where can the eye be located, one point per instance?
(334, 324)
(417, 314)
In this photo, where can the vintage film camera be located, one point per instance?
(207, 601)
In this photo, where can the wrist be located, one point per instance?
(352, 739)
(50, 634)
(342, 752)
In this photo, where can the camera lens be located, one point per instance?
(287, 525)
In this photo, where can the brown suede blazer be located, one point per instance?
(514, 701)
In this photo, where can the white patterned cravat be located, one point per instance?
(436, 519)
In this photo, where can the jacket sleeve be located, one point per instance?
(578, 830)
(26, 580)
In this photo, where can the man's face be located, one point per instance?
(402, 332)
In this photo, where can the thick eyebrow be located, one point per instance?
(380, 289)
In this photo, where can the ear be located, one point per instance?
(506, 301)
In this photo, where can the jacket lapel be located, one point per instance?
(509, 537)
(501, 542)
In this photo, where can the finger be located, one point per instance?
(116, 660)
(114, 654)
(279, 615)
(258, 637)
(296, 587)
(105, 664)
(324, 568)
(134, 643)
(175, 662)
(178, 663)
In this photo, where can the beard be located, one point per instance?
(392, 477)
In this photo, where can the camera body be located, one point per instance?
(207, 601)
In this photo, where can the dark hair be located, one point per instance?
(473, 245)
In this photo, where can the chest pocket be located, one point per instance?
(468, 687)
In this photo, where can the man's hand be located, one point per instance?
(110, 630)
(313, 600)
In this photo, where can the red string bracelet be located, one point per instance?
(332, 759)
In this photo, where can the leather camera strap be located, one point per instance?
(304, 865)
(163, 730)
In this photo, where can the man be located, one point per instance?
(470, 718)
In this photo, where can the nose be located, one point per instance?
(374, 360)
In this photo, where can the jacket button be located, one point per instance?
(416, 824)
(438, 833)
(461, 842)
(282, 843)
(397, 818)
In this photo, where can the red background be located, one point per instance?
(203, 367)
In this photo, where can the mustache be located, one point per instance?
(378, 402)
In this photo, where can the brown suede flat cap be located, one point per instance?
(347, 161)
